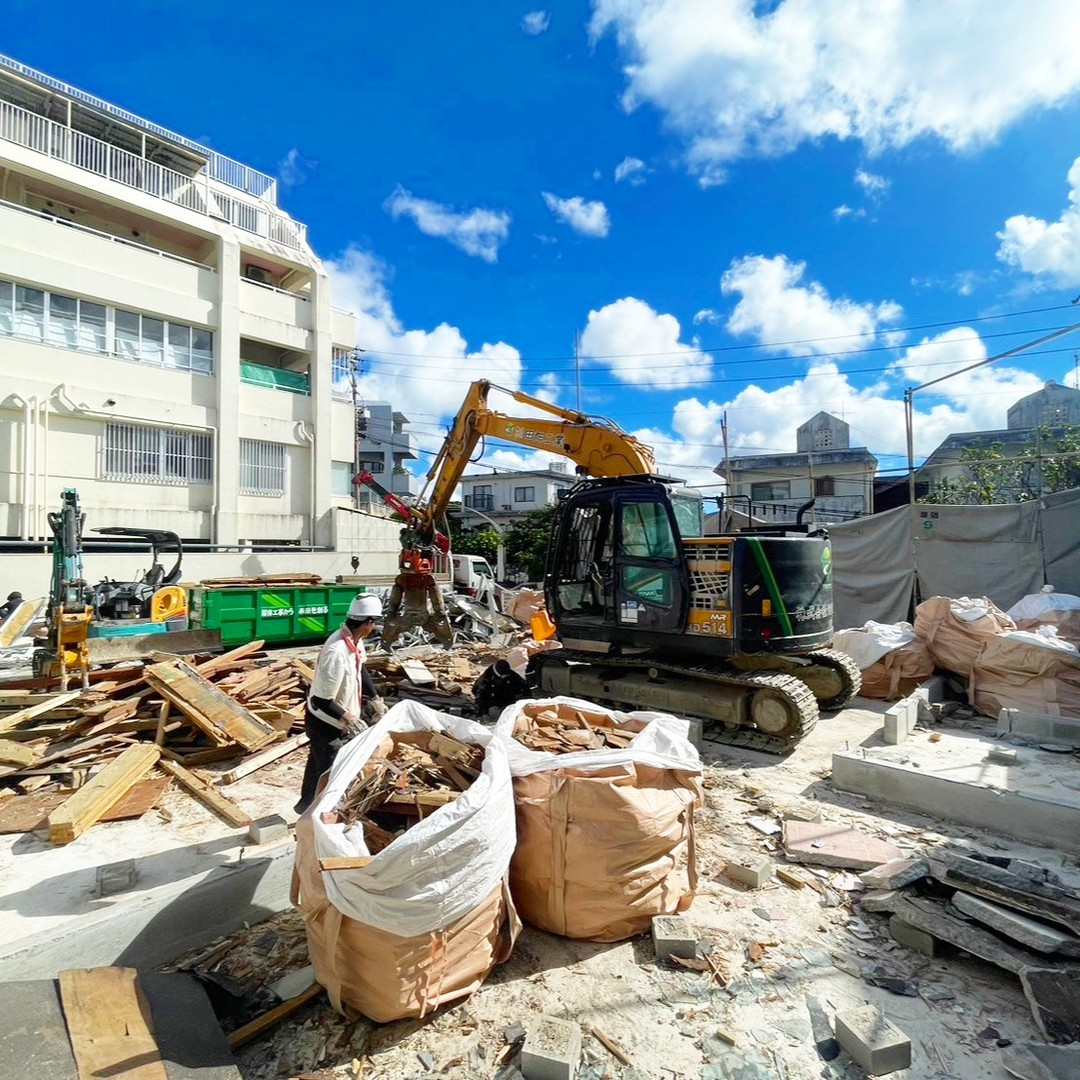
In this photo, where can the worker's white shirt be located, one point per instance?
(337, 675)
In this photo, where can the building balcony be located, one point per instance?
(480, 502)
(273, 378)
(200, 192)
(273, 315)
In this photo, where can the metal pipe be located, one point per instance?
(43, 506)
(24, 528)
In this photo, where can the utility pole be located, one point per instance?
(354, 379)
(727, 472)
(577, 367)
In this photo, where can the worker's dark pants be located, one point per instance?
(323, 742)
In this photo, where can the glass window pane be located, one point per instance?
(646, 532)
(341, 477)
(63, 320)
(7, 306)
(153, 340)
(127, 335)
(202, 350)
(178, 354)
(29, 313)
(92, 327)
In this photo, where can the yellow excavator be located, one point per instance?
(652, 615)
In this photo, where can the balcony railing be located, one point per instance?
(480, 502)
(292, 382)
(196, 193)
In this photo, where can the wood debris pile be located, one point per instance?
(438, 678)
(82, 756)
(563, 729)
(407, 778)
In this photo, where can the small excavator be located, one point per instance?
(731, 629)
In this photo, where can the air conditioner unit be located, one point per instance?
(259, 274)
(507, 506)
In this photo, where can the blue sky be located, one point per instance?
(767, 209)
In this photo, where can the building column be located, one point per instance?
(227, 375)
(321, 376)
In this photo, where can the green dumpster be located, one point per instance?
(292, 615)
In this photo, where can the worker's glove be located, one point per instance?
(355, 727)
(378, 707)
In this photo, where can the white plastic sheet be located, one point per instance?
(1044, 603)
(875, 640)
(663, 743)
(445, 865)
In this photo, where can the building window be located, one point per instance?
(524, 494)
(824, 485)
(156, 455)
(262, 468)
(770, 491)
(372, 465)
(341, 479)
(29, 313)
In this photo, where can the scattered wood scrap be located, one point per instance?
(207, 794)
(564, 729)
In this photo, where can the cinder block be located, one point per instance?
(1039, 727)
(876, 1045)
(752, 870)
(999, 755)
(913, 937)
(552, 1049)
(896, 723)
(115, 877)
(696, 732)
(265, 829)
(673, 936)
(895, 874)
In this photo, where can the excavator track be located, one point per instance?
(832, 676)
(782, 710)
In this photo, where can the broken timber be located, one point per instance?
(102, 793)
(23, 715)
(209, 707)
(264, 757)
(207, 794)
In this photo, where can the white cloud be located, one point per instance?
(642, 347)
(875, 186)
(707, 315)
(587, 218)
(1050, 248)
(736, 78)
(477, 232)
(535, 22)
(293, 168)
(424, 373)
(631, 169)
(843, 211)
(776, 307)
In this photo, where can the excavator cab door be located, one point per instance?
(615, 564)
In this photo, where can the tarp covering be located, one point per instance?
(1002, 552)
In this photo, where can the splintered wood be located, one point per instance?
(407, 778)
(562, 729)
(75, 757)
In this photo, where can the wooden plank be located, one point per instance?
(254, 1028)
(417, 673)
(18, 622)
(28, 813)
(14, 719)
(421, 798)
(102, 793)
(206, 794)
(15, 753)
(226, 660)
(264, 757)
(345, 862)
(108, 1022)
(208, 706)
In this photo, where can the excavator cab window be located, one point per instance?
(585, 560)
(651, 592)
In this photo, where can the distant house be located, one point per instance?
(505, 497)
(825, 467)
(1047, 412)
(383, 447)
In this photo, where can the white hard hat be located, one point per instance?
(365, 607)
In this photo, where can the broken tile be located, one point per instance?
(895, 874)
(829, 844)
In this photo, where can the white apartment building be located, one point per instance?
(167, 343)
(507, 496)
(383, 448)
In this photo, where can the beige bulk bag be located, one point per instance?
(605, 836)
(898, 673)
(1010, 673)
(423, 921)
(955, 629)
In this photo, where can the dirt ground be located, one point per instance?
(776, 946)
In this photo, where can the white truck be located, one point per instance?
(472, 574)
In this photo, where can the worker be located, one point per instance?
(13, 601)
(338, 690)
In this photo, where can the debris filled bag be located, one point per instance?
(606, 830)
(401, 922)
(1014, 673)
(1049, 608)
(893, 661)
(955, 629)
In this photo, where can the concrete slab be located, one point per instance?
(1038, 727)
(1035, 800)
(1035, 935)
(829, 844)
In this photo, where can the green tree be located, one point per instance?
(527, 542)
(484, 542)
